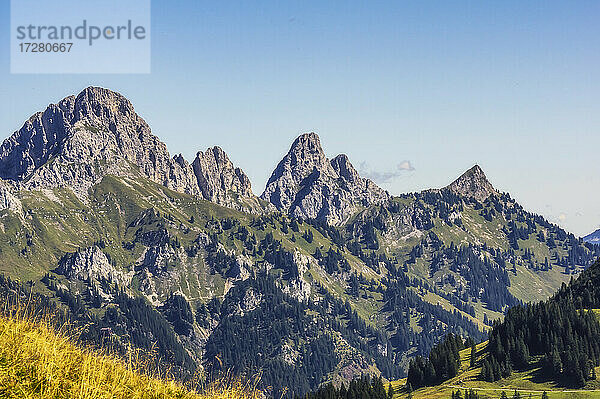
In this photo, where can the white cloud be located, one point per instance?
(385, 176)
(405, 165)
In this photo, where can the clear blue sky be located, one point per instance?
(511, 85)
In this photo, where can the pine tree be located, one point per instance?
(473, 354)
(555, 363)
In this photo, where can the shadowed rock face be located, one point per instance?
(83, 138)
(474, 184)
(306, 184)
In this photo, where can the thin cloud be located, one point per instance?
(385, 176)
(556, 217)
(405, 165)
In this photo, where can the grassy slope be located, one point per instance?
(56, 222)
(526, 285)
(526, 382)
(38, 362)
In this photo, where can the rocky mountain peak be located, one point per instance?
(217, 177)
(306, 184)
(473, 183)
(307, 147)
(305, 155)
(101, 102)
(82, 138)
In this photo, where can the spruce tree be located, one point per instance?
(473, 354)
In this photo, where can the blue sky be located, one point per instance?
(513, 86)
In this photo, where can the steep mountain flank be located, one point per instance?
(306, 184)
(593, 238)
(83, 138)
(472, 242)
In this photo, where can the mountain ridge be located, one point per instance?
(82, 138)
(306, 184)
(593, 238)
(353, 280)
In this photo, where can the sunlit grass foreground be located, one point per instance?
(36, 361)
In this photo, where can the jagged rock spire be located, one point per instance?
(217, 177)
(306, 184)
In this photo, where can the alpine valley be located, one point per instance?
(324, 277)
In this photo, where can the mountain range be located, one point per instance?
(593, 238)
(323, 277)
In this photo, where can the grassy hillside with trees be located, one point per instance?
(551, 347)
(144, 266)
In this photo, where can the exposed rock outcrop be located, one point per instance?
(81, 139)
(473, 184)
(92, 265)
(306, 184)
(8, 200)
(219, 180)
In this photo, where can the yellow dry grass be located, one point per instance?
(37, 361)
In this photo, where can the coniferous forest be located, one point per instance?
(442, 363)
(357, 389)
(562, 334)
(300, 296)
